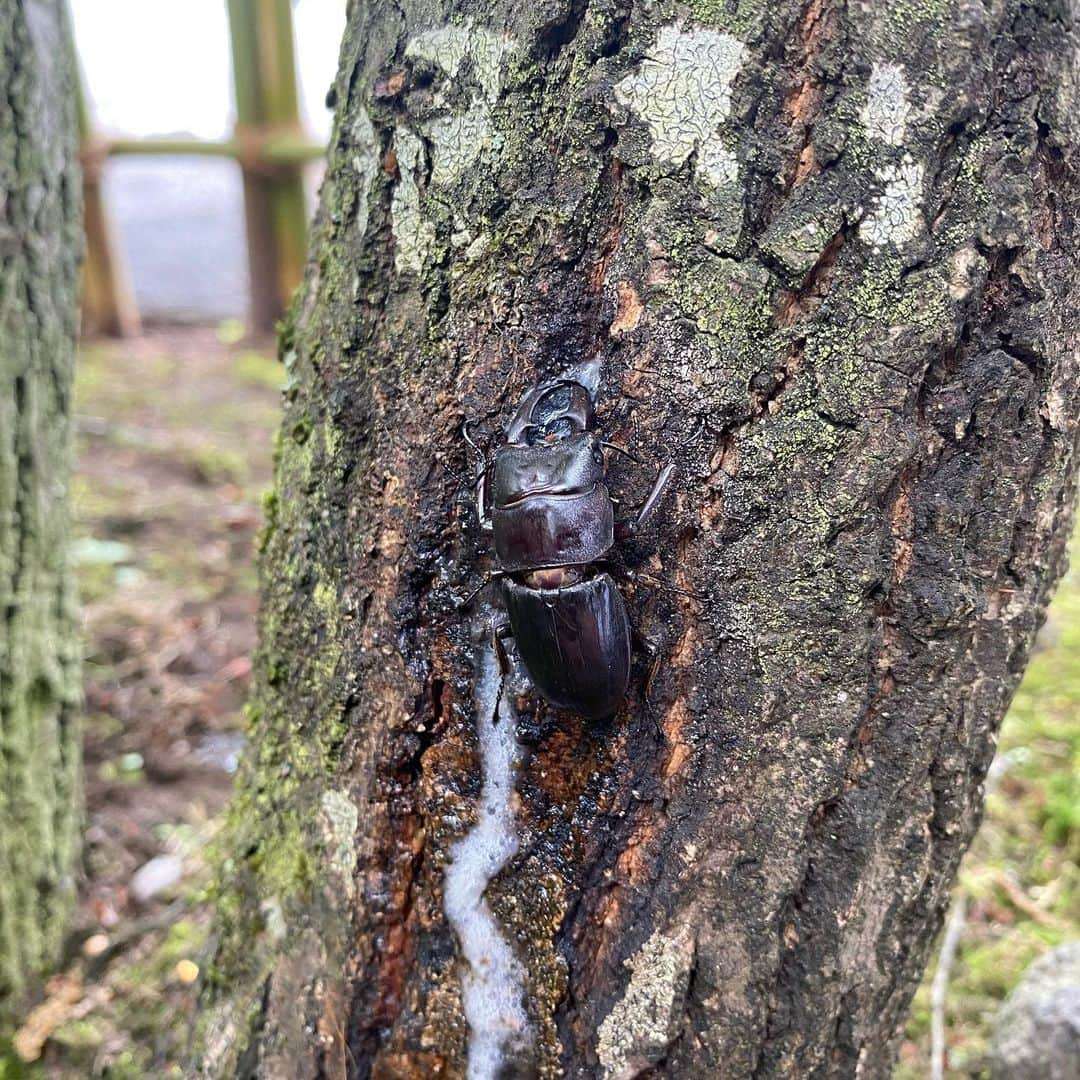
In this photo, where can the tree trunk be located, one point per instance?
(40, 245)
(828, 255)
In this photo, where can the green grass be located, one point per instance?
(1020, 880)
(259, 369)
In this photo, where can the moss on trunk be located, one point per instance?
(40, 242)
(827, 253)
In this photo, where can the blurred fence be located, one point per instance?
(271, 148)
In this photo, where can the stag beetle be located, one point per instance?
(543, 497)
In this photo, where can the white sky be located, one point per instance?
(162, 67)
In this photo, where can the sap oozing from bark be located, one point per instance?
(493, 983)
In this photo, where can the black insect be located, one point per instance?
(544, 498)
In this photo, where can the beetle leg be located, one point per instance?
(656, 660)
(493, 576)
(619, 450)
(465, 425)
(483, 510)
(482, 481)
(629, 526)
(499, 633)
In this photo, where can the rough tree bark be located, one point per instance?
(40, 246)
(828, 252)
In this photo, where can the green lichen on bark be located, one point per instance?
(40, 238)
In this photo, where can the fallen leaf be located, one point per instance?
(64, 992)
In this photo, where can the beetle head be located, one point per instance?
(557, 409)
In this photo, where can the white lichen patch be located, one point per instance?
(458, 140)
(888, 105)
(449, 46)
(489, 54)
(493, 983)
(717, 163)
(365, 160)
(414, 234)
(339, 818)
(682, 90)
(895, 215)
(446, 46)
(638, 1030)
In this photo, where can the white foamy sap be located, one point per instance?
(493, 984)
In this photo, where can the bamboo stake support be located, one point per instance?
(260, 152)
(271, 149)
(267, 113)
(108, 301)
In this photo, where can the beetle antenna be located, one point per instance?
(619, 570)
(663, 586)
(701, 427)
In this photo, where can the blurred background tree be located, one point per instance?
(41, 245)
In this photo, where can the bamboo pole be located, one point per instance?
(108, 301)
(267, 112)
(272, 150)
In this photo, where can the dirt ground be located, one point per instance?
(175, 437)
(174, 441)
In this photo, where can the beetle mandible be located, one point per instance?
(544, 498)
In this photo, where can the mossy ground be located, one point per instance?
(175, 445)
